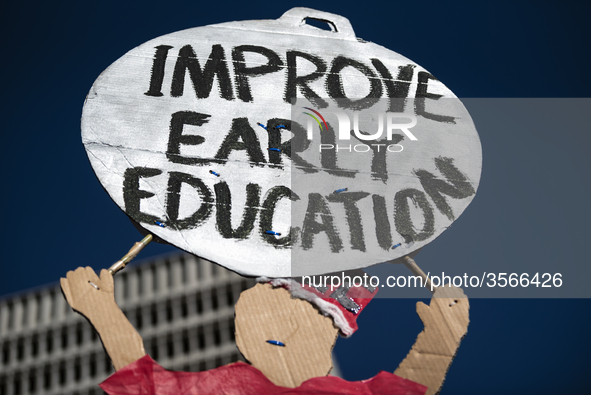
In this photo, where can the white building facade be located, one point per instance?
(182, 306)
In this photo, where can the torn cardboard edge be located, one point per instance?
(342, 304)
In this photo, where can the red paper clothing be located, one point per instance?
(146, 377)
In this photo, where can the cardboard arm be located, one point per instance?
(94, 298)
(446, 323)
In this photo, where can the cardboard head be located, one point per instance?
(305, 337)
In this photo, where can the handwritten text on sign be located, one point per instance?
(199, 142)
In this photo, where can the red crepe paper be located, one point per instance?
(146, 377)
(359, 295)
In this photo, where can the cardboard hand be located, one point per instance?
(84, 290)
(448, 311)
(94, 298)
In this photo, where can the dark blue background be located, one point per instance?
(56, 216)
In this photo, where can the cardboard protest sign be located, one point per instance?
(255, 145)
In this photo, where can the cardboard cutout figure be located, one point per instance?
(206, 121)
(421, 372)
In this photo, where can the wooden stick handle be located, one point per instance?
(416, 270)
(137, 247)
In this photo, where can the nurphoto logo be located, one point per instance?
(393, 122)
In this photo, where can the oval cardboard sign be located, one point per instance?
(278, 149)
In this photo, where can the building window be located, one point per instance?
(139, 318)
(20, 349)
(201, 338)
(217, 336)
(17, 384)
(77, 370)
(47, 377)
(49, 342)
(229, 295)
(169, 312)
(231, 330)
(32, 381)
(199, 302)
(64, 337)
(154, 348)
(92, 365)
(184, 307)
(35, 345)
(79, 334)
(214, 299)
(169, 346)
(154, 315)
(108, 367)
(63, 373)
(186, 342)
(6, 353)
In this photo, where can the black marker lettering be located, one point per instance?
(317, 205)
(202, 79)
(132, 194)
(298, 143)
(157, 75)
(349, 200)
(242, 72)
(250, 143)
(397, 89)
(266, 218)
(402, 219)
(173, 197)
(379, 166)
(380, 215)
(334, 84)
(422, 94)
(176, 137)
(223, 205)
(328, 158)
(294, 81)
(459, 188)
